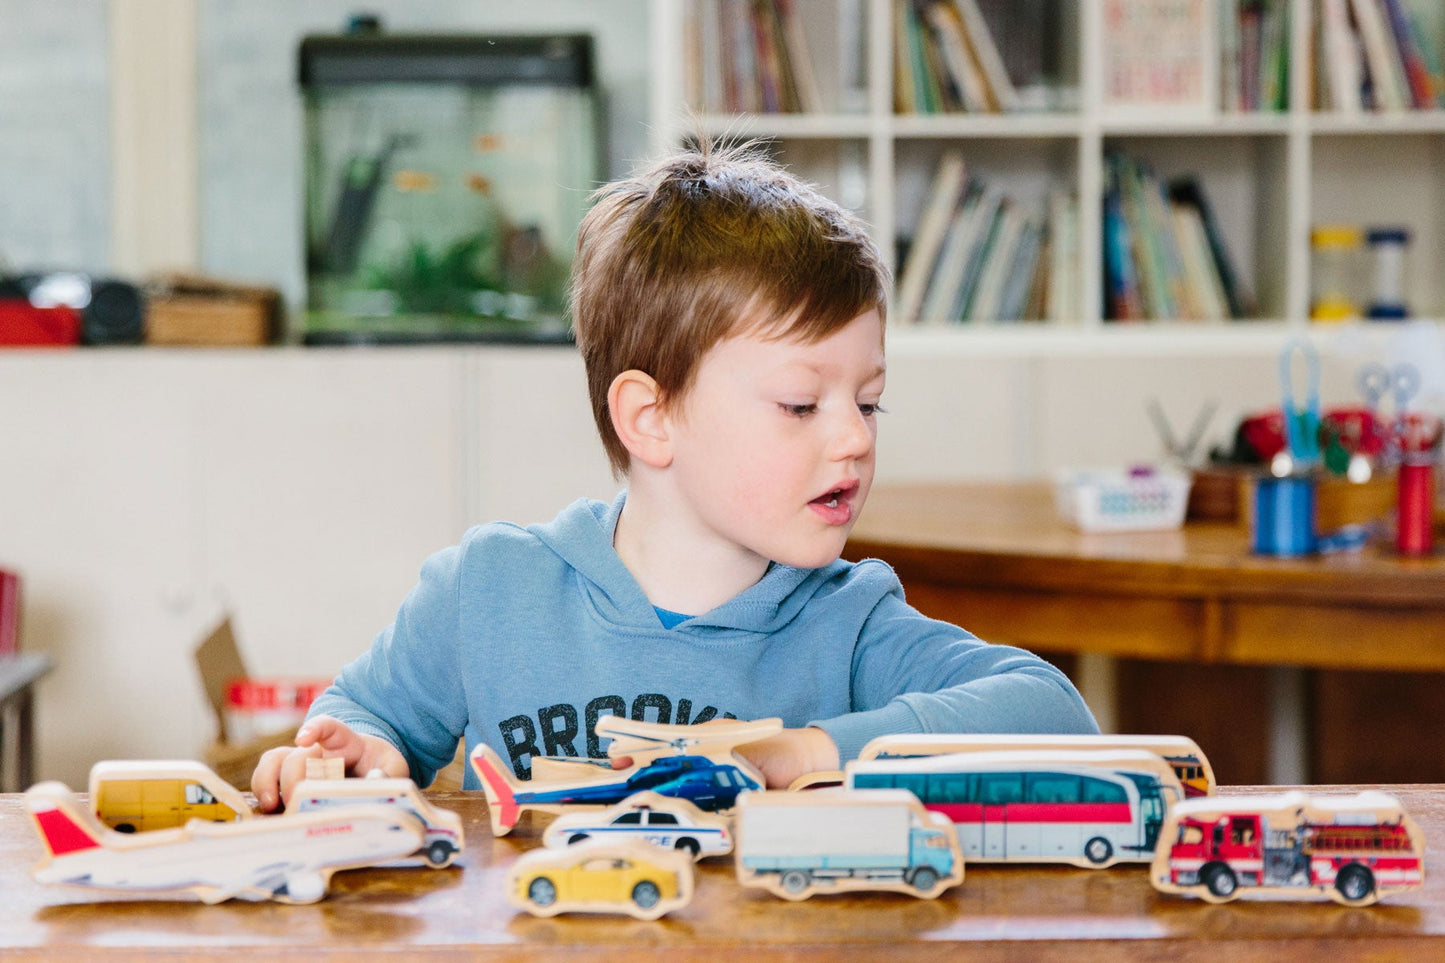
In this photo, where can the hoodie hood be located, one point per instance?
(581, 535)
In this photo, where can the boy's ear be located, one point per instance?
(634, 401)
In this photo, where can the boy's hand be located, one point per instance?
(790, 754)
(280, 769)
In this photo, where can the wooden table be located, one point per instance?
(1208, 622)
(18, 675)
(995, 558)
(998, 913)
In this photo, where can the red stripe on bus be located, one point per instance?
(1037, 812)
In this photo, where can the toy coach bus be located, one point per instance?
(1088, 808)
(1183, 754)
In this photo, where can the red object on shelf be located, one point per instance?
(22, 324)
(1415, 508)
(9, 613)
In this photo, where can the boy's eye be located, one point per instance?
(798, 411)
(870, 409)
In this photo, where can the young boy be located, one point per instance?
(731, 322)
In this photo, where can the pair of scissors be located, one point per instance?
(1401, 381)
(1301, 425)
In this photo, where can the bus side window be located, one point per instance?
(1100, 791)
(916, 783)
(1052, 787)
(953, 788)
(1000, 788)
(873, 780)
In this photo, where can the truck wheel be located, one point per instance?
(1355, 883)
(646, 894)
(542, 891)
(1098, 850)
(795, 881)
(1219, 880)
(688, 844)
(924, 879)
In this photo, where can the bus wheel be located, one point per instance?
(924, 879)
(1219, 880)
(795, 881)
(1098, 850)
(1355, 883)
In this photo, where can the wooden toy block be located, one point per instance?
(288, 858)
(442, 837)
(835, 840)
(329, 767)
(696, 763)
(1296, 845)
(1089, 808)
(1182, 753)
(602, 876)
(665, 821)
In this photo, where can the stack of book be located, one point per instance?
(747, 56)
(980, 256)
(1164, 253)
(945, 60)
(1254, 55)
(1379, 55)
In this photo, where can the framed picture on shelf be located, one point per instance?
(1159, 61)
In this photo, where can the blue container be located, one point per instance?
(1283, 517)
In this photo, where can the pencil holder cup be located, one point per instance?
(1415, 508)
(1282, 516)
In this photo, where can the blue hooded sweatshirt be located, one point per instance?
(523, 637)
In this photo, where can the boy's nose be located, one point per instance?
(854, 437)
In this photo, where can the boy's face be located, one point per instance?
(773, 446)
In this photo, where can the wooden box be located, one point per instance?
(183, 310)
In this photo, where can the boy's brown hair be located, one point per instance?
(710, 240)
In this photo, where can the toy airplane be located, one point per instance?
(1353, 849)
(602, 876)
(710, 779)
(288, 858)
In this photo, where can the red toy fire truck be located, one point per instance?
(1352, 848)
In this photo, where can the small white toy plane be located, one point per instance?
(288, 858)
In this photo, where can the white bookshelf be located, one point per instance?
(1269, 176)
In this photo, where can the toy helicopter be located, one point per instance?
(710, 779)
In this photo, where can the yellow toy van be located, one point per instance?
(138, 795)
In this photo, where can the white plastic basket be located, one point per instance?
(1112, 500)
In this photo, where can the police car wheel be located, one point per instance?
(689, 844)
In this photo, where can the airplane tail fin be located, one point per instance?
(500, 787)
(63, 826)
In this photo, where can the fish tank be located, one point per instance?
(446, 177)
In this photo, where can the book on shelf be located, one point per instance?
(1061, 294)
(1189, 191)
(749, 55)
(1160, 60)
(1381, 55)
(1382, 63)
(946, 60)
(1340, 54)
(1164, 256)
(1412, 60)
(944, 195)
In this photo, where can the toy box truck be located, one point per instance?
(795, 844)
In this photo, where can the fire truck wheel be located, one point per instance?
(1355, 883)
(1098, 850)
(1219, 880)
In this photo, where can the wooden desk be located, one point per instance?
(998, 913)
(18, 675)
(996, 559)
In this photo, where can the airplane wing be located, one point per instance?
(645, 740)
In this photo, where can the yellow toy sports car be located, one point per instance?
(602, 876)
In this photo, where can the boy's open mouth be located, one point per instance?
(836, 504)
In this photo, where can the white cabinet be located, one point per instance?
(145, 492)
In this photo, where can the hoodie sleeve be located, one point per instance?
(407, 687)
(915, 674)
